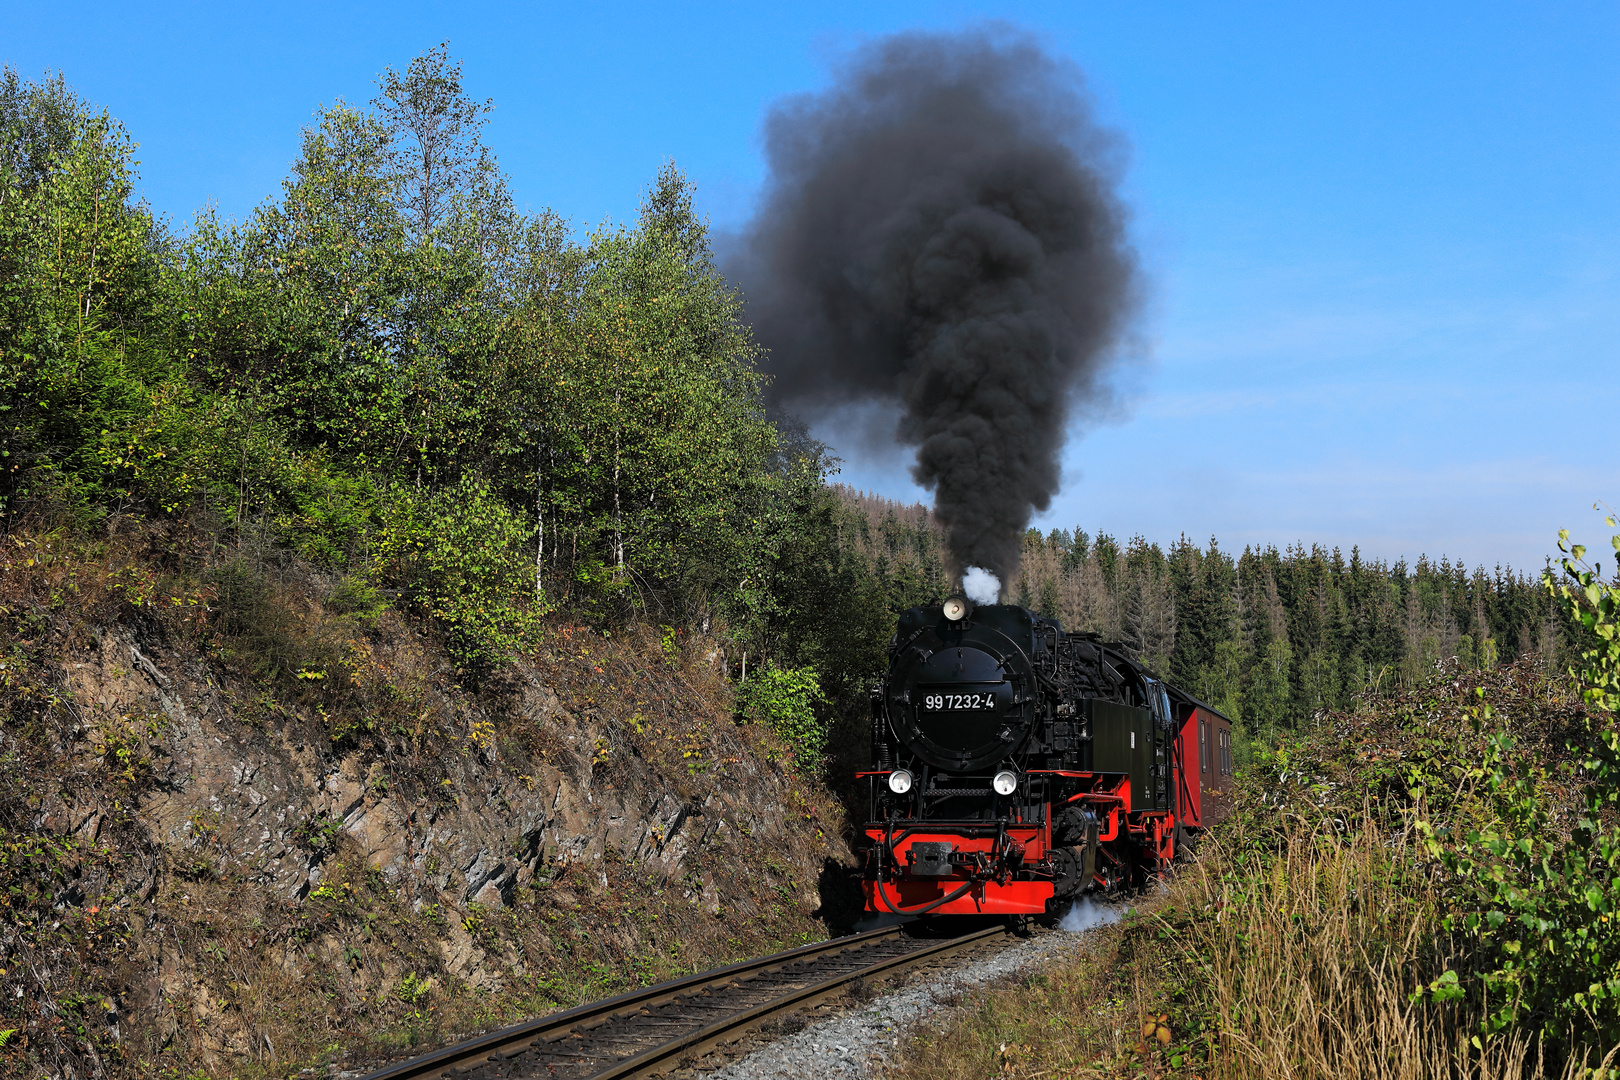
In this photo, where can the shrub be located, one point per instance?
(332, 513)
(359, 599)
(1541, 902)
(258, 630)
(461, 556)
(785, 698)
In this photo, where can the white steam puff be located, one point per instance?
(981, 586)
(1085, 913)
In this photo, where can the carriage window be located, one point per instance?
(1203, 745)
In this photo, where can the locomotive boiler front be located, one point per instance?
(960, 692)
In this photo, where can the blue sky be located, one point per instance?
(1382, 240)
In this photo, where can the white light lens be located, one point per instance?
(899, 781)
(955, 608)
(1005, 782)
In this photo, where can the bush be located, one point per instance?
(359, 599)
(331, 513)
(252, 623)
(1540, 896)
(785, 699)
(459, 556)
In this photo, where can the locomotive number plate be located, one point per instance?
(960, 702)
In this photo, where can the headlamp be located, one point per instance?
(900, 781)
(1006, 782)
(955, 608)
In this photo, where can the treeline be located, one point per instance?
(393, 372)
(1271, 637)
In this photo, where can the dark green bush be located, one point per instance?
(359, 599)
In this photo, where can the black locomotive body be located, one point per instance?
(1015, 765)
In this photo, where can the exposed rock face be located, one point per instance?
(482, 837)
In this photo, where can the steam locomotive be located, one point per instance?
(1016, 766)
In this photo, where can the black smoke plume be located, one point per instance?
(940, 229)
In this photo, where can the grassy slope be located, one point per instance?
(1292, 947)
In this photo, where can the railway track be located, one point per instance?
(651, 1031)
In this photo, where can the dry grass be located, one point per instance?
(1292, 962)
(1310, 960)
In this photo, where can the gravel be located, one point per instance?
(857, 1044)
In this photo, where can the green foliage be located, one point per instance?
(326, 516)
(358, 598)
(392, 372)
(412, 988)
(1541, 908)
(459, 557)
(79, 263)
(785, 698)
(653, 450)
(1537, 893)
(1595, 606)
(813, 599)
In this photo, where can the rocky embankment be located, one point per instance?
(249, 793)
(219, 863)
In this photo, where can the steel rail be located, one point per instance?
(541, 1033)
(705, 1039)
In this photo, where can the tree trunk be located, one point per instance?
(540, 529)
(618, 517)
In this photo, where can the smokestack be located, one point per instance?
(941, 232)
